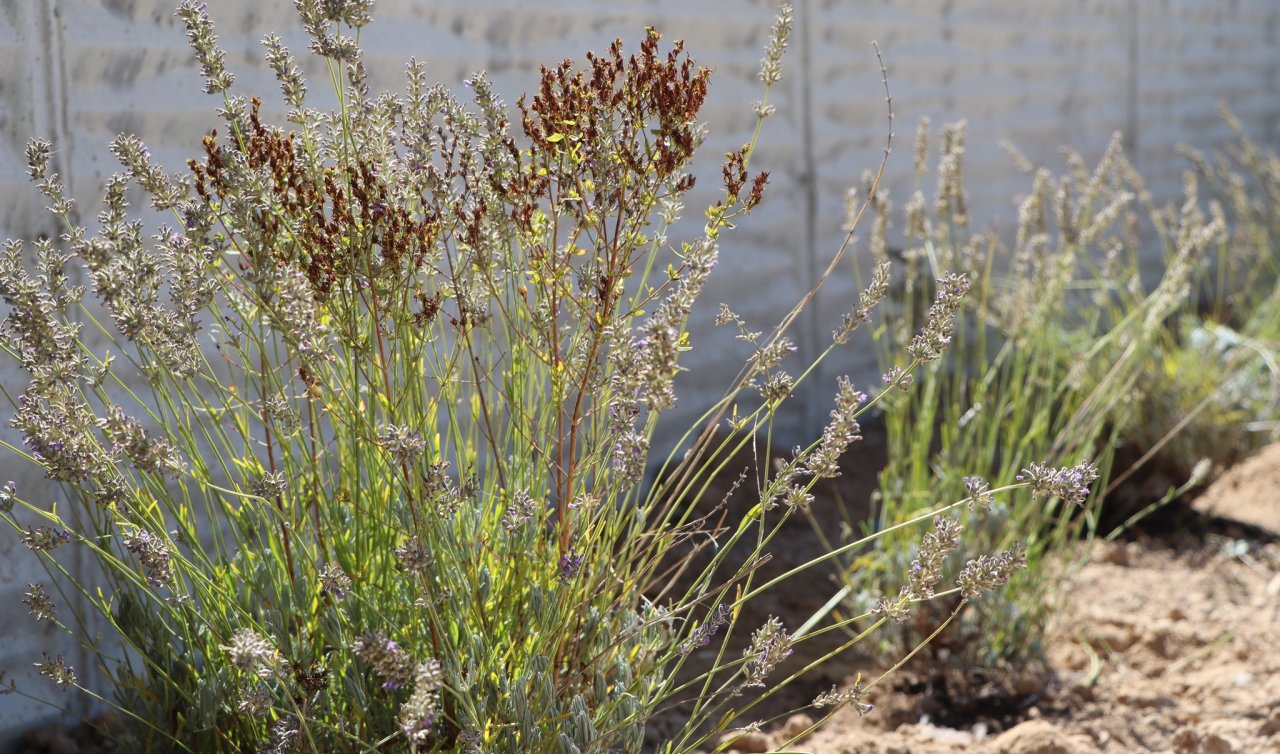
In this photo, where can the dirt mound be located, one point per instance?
(1248, 493)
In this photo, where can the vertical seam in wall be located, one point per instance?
(809, 399)
(46, 25)
(1131, 82)
(38, 70)
(61, 81)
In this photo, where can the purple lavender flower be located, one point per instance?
(570, 566)
(701, 636)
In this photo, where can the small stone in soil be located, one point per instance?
(749, 741)
(1272, 725)
(1115, 553)
(1188, 741)
(796, 726)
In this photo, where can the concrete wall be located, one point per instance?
(1041, 74)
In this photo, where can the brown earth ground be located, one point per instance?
(1169, 643)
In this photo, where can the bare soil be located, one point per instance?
(1170, 643)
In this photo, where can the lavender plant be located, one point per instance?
(364, 461)
(1213, 389)
(1047, 359)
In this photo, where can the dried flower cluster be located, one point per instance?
(251, 651)
(334, 582)
(45, 538)
(838, 697)
(404, 445)
(771, 66)
(8, 493)
(979, 492)
(418, 713)
(389, 661)
(522, 509)
(841, 432)
(38, 602)
(939, 324)
(926, 568)
(153, 554)
(62, 675)
(1070, 483)
(870, 299)
(770, 645)
(989, 572)
(925, 571)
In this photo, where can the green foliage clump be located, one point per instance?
(1213, 388)
(1049, 362)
